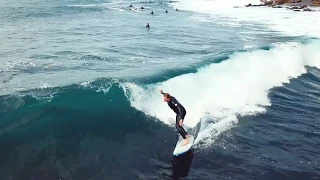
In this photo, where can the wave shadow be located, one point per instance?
(181, 165)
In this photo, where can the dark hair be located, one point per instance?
(167, 95)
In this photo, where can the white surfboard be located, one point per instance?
(180, 148)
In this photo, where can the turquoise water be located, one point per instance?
(80, 81)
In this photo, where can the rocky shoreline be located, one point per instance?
(295, 5)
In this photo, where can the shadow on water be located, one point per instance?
(181, 165)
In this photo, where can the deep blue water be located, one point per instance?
(77, 85)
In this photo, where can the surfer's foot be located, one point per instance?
(185, 142)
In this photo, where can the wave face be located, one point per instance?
(99, 129)
(80, 133)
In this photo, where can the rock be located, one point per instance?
(303, 6)
(249, 5)
(265, 2)
(293, 4)
(268, 3)
(278, 2)
(307, 9)
(316, 3)
(296, 10)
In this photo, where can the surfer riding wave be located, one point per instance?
(180, 111)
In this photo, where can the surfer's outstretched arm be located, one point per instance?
(162, 92)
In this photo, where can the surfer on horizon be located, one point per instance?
(180, 114)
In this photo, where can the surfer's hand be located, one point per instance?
(161, 91)
(180, 122)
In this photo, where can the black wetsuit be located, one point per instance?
(181, 113)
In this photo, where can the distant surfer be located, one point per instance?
(180, 114)
(148, 26)
(151, 12)
(166, 11)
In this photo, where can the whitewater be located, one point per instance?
(216, 94)
(235, 14)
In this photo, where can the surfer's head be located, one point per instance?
(166, 97)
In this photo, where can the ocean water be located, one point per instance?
(80, 81)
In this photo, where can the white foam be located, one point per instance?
(207, 6)
(282, 20)
(219, 92)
